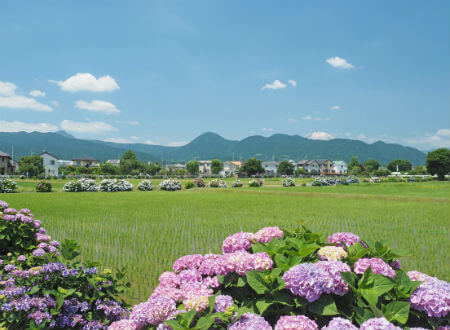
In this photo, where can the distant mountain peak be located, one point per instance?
(65, 134)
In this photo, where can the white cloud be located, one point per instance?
(37, 93)
(149, 142)
(441, 139)
(134, 138)
(265, 129)
(293, 83)
(9, 99)
(118, 140)
(347, 134)
(177, 143)
(338, 62)
(133, 122)
(318, 118)
(97, 106)
(88, 82)
(275, 85)
(306, 118)
(320, 136)
(86, 127)
(335, 107)
(55, 103)
(361, 136)
(292, 120)
(20, 126)
(443, 132)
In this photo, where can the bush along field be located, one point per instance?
(269, 279)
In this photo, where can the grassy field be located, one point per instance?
(149, 230)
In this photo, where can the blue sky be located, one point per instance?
(164, 72)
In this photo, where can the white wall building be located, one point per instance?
(309, 165)
(51, 164)
(339, 167)
(204, 167)
(270, 167)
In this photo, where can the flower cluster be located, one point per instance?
(377, 265)
(216, 183)
(256, 183)
(432, 296)
(44, 186)
(7, 186)
(145, 185)
(267, 234)
(332, 253)
(295, 322)
(237, 184)
(338, 323)
(170, 185)
(345, 239)
(81, 185)
(311, 280)
(237, 242)
(250, 321)
(112, 185)
(199, 182)
(288, 182)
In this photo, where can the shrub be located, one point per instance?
(113, 185)
(288, 182)
(44, 186)
(237, 184)
(7, 186)
(294, 280)
(216, 183)
(41, 284)
(170, 185)
(256, 183)
(189, 185)
(199, 182)
(88, 185)
(145, 185)
(375, 179)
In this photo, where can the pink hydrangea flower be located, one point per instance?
(347, 238)
(168, 279)
(153, 312)
(237, 242)
(377, 265)
(378, 324)
(338, 323)
(267, 234)
(124, 325)
(192, 261)
(298, 322)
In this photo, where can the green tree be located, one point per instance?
(300, 171)
(382, 172)
(192, 167)
(216, 166)
(285, 168)
(33, 165)
(129, 155)
(354, 162)
(129, 164)
(438, 162)
(404, 165)
(371, 165)
(107, 168)
(252, 166)
(418, 170)
(153, 168)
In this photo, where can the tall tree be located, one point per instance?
(129, 164)
(285, 168)
(438, 162)
(371, 165)
(31, 165)
(354, 162)
(216, 166)
(252, 166)
(404, 165)
(192, 167)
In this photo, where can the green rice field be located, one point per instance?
(149, 230)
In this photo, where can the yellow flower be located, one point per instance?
(107, 271)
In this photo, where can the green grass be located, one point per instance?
(149, 230)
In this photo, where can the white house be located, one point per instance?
(270, 167)
(309, 165)
(113, 162)
(204, 167)
(175, 167)
(65, 163)
(339, 167)
(50, 163)
(230, 168)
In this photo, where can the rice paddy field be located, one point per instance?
(147, 231)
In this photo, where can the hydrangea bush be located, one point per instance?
(216, 183)
(237, 184)
(199, 182)
(44, 186)
(112, 185)
(145, 185)
(7, 186)
(170, 185)
(81, 185)
(278, 279)
(256, 183)
(288, 182)
(41, 284)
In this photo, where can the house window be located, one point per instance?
(52, 162)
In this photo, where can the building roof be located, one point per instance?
(323, 161)
(3, 154)
(339, 162)
(113, 161)
(45, 152)
(88, 159)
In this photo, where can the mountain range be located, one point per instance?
(210, 145)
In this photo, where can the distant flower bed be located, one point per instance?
(375, 180)
(112, 185)
(41, 284)
(145, 185)
(7, 186)
(216, 183)
(237, 184)
(288, 182)
(333, 181)
(256, 183)
(44, 186)
(170, 185)
(81, 186)
(199, 182)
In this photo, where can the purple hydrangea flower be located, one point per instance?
(192, 261)
(153, 312)
(250, 321)
(347, 238)
(377, 265)
(123, 325)
(237, 242)
(298, 322)
(433, 297)
(222, 302)
(3, 205)
(38, 252)
(378, 324)
(169, 280)
(267, 234)
(338, 323)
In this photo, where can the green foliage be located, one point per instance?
(216, 166)
(371, 165)
(404, 165)
(128, 155)
(252, 166)
(418, 170)
(31, 165)
(153, 168)
(382, 172)
(285, 168)
(192, 167)
(43, 186)
(438, 162)
(300, 171)
(189, 185)
(107, 168)
(353, 163)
